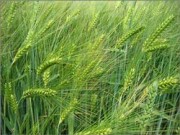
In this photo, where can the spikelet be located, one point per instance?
(45, 78)
(48, 64)
(127, 36)
(27, 44)
(129, 79)
(105, 131)
(39, 92)
(65, 112)
(11, 97)
(149, 41)
(167, 83)
(93, 23)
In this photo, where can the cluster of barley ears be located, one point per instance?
(66, 70)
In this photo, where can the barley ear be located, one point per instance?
(45, 78)
(149, 41)
(129, 79)
(48, 64)
(39, 92)
(27, 44)
(125, 37)
(11, 97)
(67, 110)
(93, 23)
(167, 83)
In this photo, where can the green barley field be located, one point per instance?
(90, 67)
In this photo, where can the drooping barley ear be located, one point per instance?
(105, 131)
(149, 41)
(167, 83)
(41, 92)
(93, 23)
(27, 44)
(48, 64)
(11, 15)
(129, 79)
(11, 97)
(67, 110)
(45, 78)
(127, 36)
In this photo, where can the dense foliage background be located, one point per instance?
(90, 68)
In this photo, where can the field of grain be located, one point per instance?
(90, 68)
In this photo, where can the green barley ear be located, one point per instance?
(67, 110)
(46, 27)
(129, 79)
(105, 131)
(39, 92)
(45, 78)
(11, 15)
(127, 36)
(27, 44)
(149, 41)
(158, 44)
(156, 47)
(167, 83)
(48, 64)
(93, 23)
(11, 97)
(73, 15)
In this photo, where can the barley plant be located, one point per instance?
(90, 68)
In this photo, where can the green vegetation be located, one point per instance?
(90, 68)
